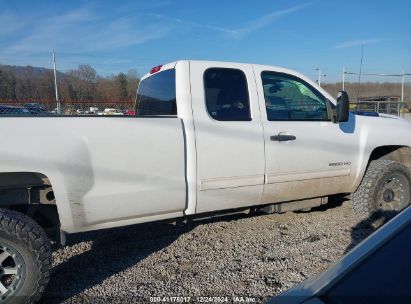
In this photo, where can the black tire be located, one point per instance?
(374, 198)
(25, 250)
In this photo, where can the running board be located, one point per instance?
(305, 204)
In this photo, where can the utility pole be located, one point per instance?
(319, 76)
(402, 86)
(343, 79)
(359, 74)
(55, 84)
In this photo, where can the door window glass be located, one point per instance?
(289, 98)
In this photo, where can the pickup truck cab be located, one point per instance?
(207, 137)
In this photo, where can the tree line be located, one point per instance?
(85, 85)
(369, 89)
(81, 84)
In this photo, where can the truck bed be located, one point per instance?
(122, 169)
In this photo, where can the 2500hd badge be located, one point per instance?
(347, 163)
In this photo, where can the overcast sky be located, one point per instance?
(114, 36)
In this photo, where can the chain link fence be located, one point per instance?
(386, 107)
(73, 108)
(104, 108)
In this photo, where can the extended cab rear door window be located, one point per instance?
(156, 95)
(290, 98)
(226, 94)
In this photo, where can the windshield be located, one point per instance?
(156, 94)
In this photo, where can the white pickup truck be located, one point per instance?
(207, 137)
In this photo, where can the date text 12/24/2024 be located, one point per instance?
(204, 299)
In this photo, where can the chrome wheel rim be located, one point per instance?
(394, 194)
(12, 270)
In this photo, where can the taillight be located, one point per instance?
(156, 69)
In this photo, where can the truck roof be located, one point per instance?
(171, 65)
(233, 65)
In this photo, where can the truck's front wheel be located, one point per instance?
(25, 258)
(385, 189)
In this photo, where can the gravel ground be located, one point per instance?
(257, 256)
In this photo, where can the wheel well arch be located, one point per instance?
(401, 154)
(32, 194)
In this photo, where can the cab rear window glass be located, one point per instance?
(156, 94)
(226, 94)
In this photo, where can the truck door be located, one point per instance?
(307, 155)
(229, 136)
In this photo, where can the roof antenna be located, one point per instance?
(359, 75)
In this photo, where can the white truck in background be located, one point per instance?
(207, 137)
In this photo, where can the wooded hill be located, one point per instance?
(81, 84)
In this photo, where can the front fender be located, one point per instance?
(376, 132)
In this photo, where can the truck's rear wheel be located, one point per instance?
(25, 258)
(384, 190)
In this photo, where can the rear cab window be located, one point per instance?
(226, 94)
(156, 95)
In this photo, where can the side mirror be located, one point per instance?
(342, 109)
